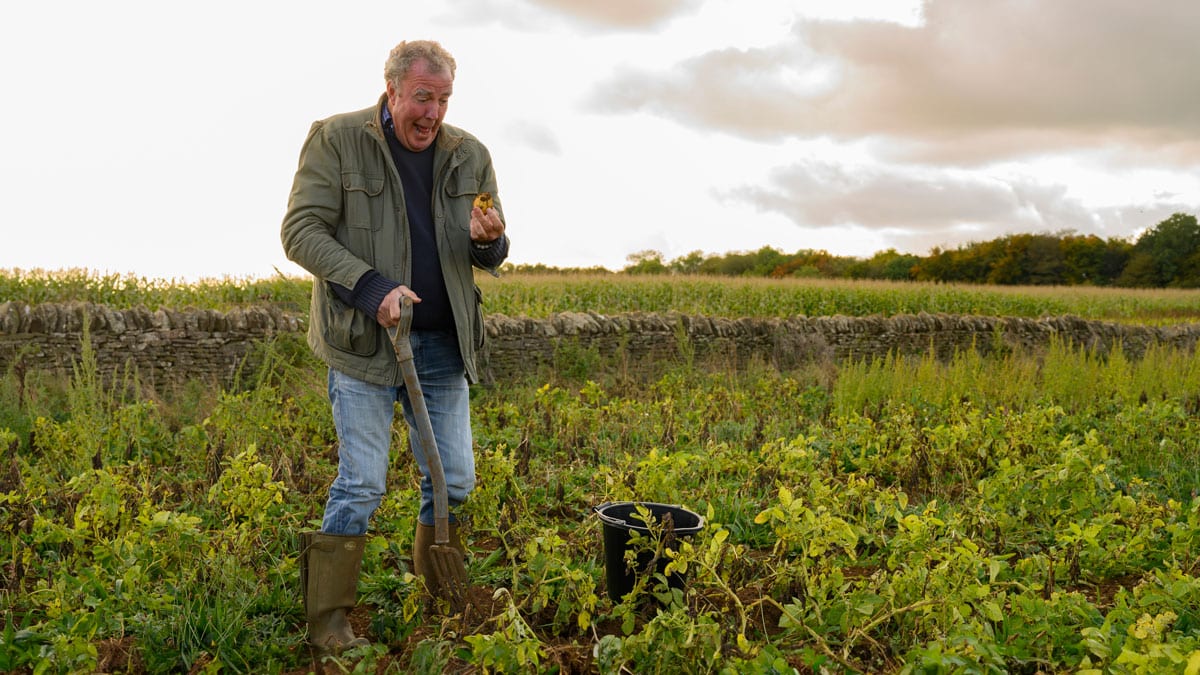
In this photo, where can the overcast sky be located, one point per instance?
(160, 138)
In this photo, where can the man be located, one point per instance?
(381, 206)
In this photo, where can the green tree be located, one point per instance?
(691, 263)
(1189, 274)
(758, 263)
(1010, 267)
(1162, 255)
(890, 265)
(1034, 259)
(645, 262)
(765, 260)
(971, 263)
(1093, 261)
(1141, 271)
(812, 264)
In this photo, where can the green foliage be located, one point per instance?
(557, 586)
(1028, 259)
(888, 265)
(512, 649)
(114, 290)
(245, 492)
(1166, 255)
(671, 638)
(645, 262)
(1011, 513)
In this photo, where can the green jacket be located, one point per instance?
(346, 216)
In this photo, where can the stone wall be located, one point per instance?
(163, 347)
(168, 346)
(514, 344)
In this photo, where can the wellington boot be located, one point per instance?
(329, 567)
(422, 560)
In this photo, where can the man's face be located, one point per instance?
(418, 105)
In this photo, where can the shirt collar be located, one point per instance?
(387, 116)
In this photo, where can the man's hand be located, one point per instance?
(388, 314)
(486, 226)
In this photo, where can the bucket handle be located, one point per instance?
(600, 507)
(599, 511)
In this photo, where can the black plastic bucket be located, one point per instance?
(620, 519)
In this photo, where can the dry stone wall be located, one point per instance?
(519, 343)
(167, 346)
(163, 346)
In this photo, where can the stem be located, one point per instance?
(844, 660)
(863, 631)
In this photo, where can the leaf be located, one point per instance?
(1193, 664)
(994, 567)
(744, 645)
(785, 496)
(992, 611)
(868, 604)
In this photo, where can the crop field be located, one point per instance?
(541, 295)
(1020, 513)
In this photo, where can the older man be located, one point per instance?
(382, 207)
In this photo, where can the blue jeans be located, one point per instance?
(363, 414)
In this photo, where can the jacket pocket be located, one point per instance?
(462, 184)
(363, 208)
(347, 329)
(461, 189)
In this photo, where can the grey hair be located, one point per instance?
(405, 54)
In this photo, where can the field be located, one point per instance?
(1020, 513)
(539, 296)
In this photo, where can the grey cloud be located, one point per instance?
(534, 136)
(588, 14)
(827, 194)
(620, 13)
(979, 79)
(939, 208)
(746, 93)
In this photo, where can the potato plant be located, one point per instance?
(1019, 513)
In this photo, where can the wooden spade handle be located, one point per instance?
(437, 475)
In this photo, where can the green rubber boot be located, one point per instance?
(329, 567)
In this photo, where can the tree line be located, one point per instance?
(1166, 255)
